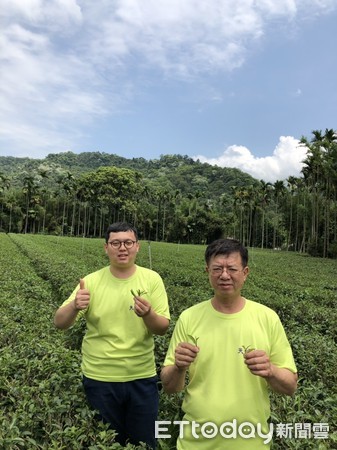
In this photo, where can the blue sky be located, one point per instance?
(234, 83)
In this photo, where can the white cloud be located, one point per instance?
(180, 38)
(285, 161)
(67, 63)
(41, 12)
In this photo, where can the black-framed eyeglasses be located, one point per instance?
(219, 270)
(128, 243)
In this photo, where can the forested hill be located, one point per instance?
(175, 198)
(170, 172)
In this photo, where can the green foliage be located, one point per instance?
(42, 404)
(175, 199)
(111, 186)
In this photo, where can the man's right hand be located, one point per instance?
(185, 354)
(82, 297)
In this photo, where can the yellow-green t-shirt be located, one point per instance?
(117, 345)
(221, 388)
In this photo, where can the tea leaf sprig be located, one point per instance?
(138, 293)
(245, 349)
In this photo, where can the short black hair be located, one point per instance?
(226, 247)
(120, 226)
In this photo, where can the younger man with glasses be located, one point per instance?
(124, 305)
(234, 350)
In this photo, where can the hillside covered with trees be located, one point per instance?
(174, 198)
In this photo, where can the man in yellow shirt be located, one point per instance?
(124, 305)
(234, 350)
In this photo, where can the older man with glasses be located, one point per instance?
(124, 305)
(234, 351)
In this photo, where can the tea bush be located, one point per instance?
(42, 404)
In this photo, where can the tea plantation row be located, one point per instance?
(42, 405)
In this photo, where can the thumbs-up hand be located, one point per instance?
(82, 297)
(82, 284)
